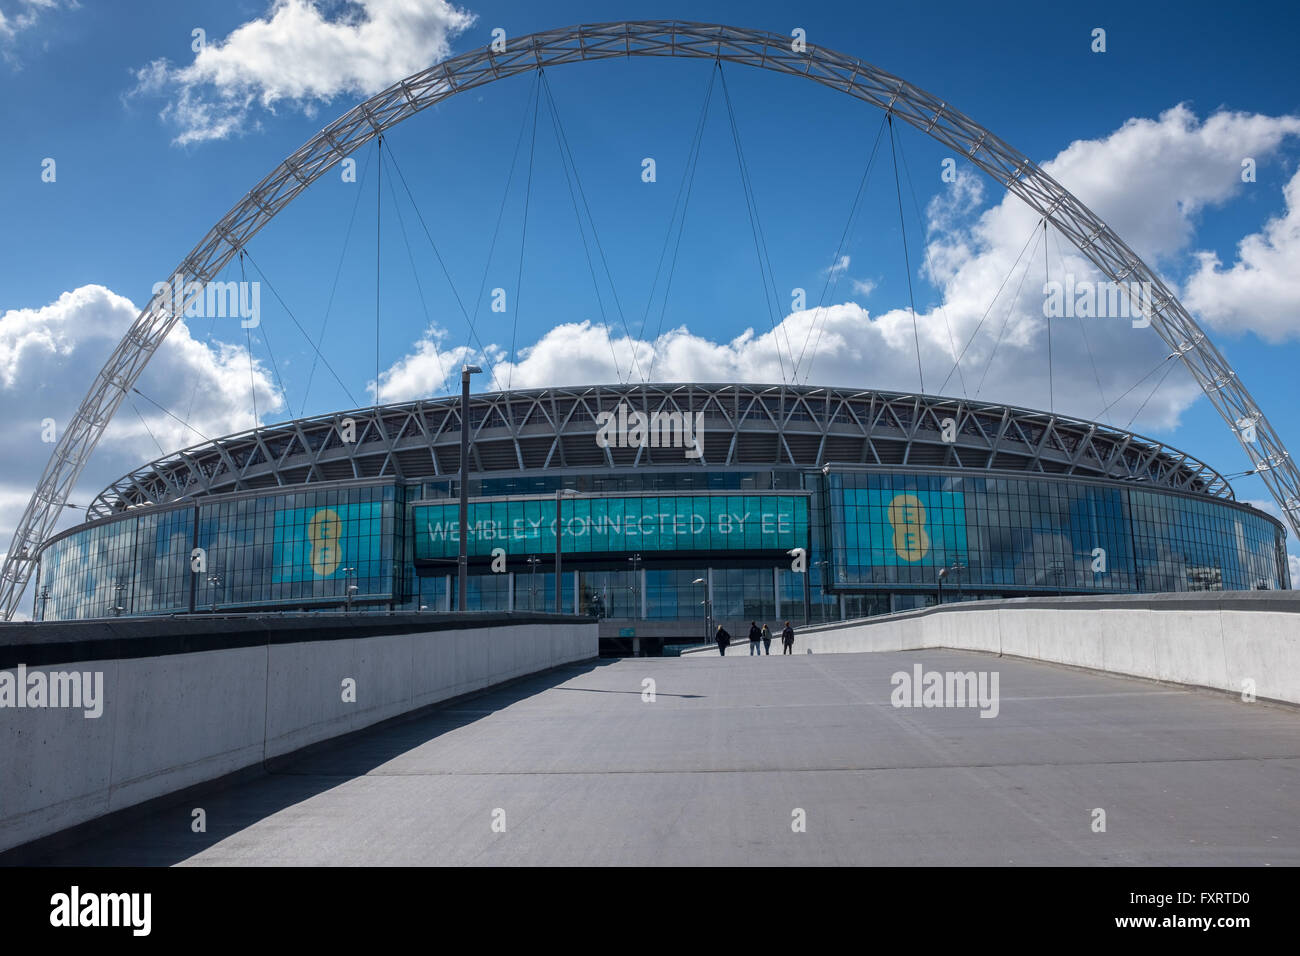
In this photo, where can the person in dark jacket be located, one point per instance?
(767, 640)
(787, 639)
(755, 635)
(723, 639)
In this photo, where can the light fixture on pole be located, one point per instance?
(560, 495)
(533, 562)
(214, 582)
(635, 561)
(348, 589)
(705, 605)
(462, 558)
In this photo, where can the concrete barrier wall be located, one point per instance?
(174, 720)
(1213, 641)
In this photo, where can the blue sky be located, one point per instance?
(153, 143)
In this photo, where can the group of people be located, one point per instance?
(756, 635)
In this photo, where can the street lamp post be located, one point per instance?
(45, 599)
(635, 561)
(214, 582)
(943, 573)
(705, 605)
(533, 562)
(348, 588)
(824, 575)
(462, 558)
(560, 495)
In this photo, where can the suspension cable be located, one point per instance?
(929, 264)
(1170, 368)
(171, 416)
(415, 272)
(379, 215)
(266, 338)
(131, 402)
(684, 190)
(248, 340)
(562, 141)
(523, 233)
(487, 264)
(1047, 280)
(1032, 233)
(907, 265)
(831, 273)
(1011, 308)
(298, 326)
(1101, 392)
(756, 228)
(1121, 398)
(469, 321)
(338, 271)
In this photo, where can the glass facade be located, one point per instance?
(693, 547)
(298, 550)
(1016, 535)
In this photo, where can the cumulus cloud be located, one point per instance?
(300, 54)
(1150, 179)
(47, 358)
(1260, 291)
(1294, 563)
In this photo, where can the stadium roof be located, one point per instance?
(748, 426)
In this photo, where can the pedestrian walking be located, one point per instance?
(767, 640)
(755, 635)
(787, 639)
(723, 639)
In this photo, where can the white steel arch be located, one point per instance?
(769, 51)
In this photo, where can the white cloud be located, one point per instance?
(1294, 563)
(840, 266)
(1149, 179)
(47, 358)
(1260, 292)
(298, 55)
(22, 16)
(863, 287)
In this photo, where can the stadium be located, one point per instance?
(675, 505)
(897, 501)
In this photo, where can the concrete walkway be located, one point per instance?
(583, 771)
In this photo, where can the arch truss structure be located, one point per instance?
(607, 41)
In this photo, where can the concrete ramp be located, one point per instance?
(1243, 642)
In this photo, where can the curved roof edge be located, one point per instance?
(744, 425)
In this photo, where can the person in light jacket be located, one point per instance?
(767, 640)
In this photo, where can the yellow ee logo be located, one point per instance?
(323, 532)
(907, 518)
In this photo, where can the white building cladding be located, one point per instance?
(895, 488)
